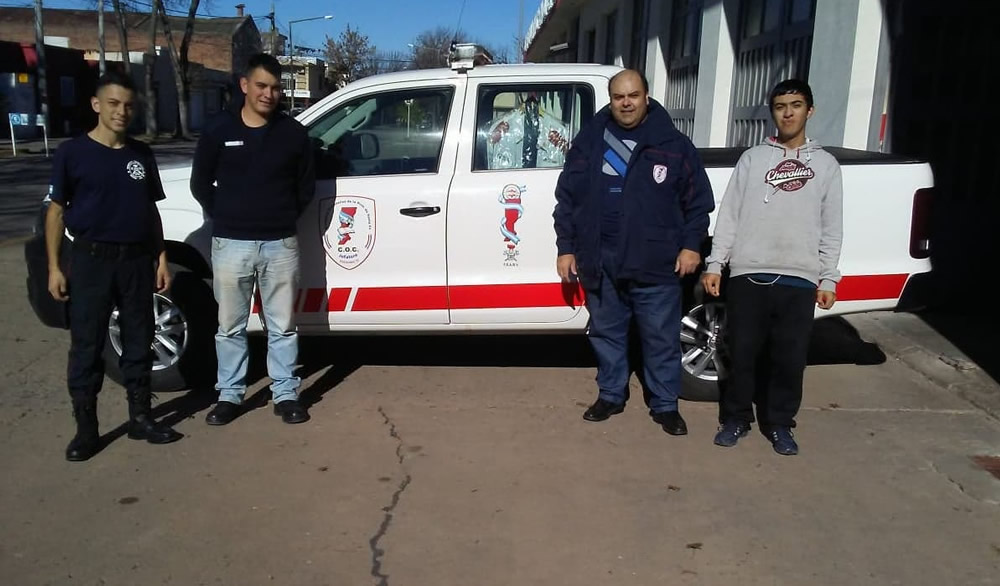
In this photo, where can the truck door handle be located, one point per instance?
(421, 212)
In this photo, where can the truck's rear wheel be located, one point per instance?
(183, 345)
(702, 364)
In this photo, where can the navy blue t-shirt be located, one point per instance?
(618, 146)
(107, 192)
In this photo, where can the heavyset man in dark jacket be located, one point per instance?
(632, 209)
(253, 174)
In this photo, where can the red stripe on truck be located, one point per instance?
(401, 298)
(515, 296)
(870, 287)
(525, 295)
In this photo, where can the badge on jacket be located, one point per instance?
(659, 173)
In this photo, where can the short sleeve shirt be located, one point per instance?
(107, 192)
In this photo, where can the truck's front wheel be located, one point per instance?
(702, 364)
(183, 345)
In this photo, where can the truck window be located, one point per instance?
(528, 126)
(388, 133)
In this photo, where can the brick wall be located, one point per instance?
(211, 44)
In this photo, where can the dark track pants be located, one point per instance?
(768, 342)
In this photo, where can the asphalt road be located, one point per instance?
(464, 461)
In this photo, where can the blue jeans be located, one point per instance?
(657, 312)
(274, 266)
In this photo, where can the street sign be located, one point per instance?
(25, 119)
(20, 119)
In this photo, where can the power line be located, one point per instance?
(460, 14)
(170, 11)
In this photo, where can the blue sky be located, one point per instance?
(389, 24)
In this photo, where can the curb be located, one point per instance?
(899, 335)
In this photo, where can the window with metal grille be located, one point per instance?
(610, 43)
(682, 62)
(775, 44)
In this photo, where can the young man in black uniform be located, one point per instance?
(104, 190)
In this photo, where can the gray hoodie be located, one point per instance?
(782, 214)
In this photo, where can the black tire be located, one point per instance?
(696, 389)
(197, 314)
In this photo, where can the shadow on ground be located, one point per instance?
(834, 341)
(970, 334)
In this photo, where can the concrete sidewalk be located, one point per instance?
(946, 348)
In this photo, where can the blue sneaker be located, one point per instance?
(782, 441)
(730, 432)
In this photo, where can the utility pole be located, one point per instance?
(274, 40)
(43, 89)
(100, 33)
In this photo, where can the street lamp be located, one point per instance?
(291, 56)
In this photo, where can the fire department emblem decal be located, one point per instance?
(659, 173)
(347, 225)
(136, 170)
(789, 175)
(510, 198)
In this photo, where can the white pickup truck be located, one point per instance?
(441, 221)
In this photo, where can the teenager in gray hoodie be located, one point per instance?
(779, 231)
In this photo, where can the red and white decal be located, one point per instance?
(510, 198)
(347, 224)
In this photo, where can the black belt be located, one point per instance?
(111, 250)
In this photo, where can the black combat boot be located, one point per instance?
(87, 440)
(142, 426)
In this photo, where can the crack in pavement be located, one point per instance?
(949, 478)
(377, 552)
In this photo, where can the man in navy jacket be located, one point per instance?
(632, 206)
(253, 174)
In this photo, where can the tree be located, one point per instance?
(390, 61)
(179, 59)
(152, 126)
(350, 57)
(432, 47)
(120, 17)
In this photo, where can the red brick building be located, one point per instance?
(219, 49)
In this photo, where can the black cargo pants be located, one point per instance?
(104, 276)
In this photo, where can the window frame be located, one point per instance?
(451, 90)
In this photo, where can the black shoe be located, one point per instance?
(602, 410)
(146, 428)
(82, 447)
(731, 432)
(291, 411)
(672, 422)
(782, 440)
(223, 413)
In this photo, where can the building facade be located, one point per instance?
(712, 62)
(303, 80)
